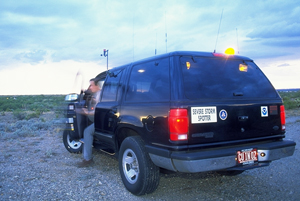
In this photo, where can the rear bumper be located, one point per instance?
(218, 158)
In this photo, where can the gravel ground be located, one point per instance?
(40, 168)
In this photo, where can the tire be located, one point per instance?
(72, 145)
(139, 174)
(230, 172)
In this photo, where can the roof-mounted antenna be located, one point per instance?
(166, 33)
(237, 42)
(218, 30)
(155, 45)
(133, 38)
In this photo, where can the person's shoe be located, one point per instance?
(85, 163)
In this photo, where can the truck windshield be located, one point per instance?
(224, 78)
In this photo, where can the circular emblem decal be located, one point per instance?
(223, 114)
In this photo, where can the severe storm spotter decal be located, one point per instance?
(204, 114)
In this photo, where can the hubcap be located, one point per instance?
(74, 144)
(130, 166)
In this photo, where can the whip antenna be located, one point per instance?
(237, 41)
(76, 82)
(155, 45)
(166, 33)
(218, 30)
(133, 38)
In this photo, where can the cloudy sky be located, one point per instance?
(44, 44)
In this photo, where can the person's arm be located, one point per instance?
(89, 113)
(85, 111)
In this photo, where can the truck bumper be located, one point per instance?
(219, 158)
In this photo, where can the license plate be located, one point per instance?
(246, 156)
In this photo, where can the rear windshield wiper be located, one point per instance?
(238, 94)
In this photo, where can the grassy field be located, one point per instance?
(37, 104)
(31, 106)
(29, 115)
(291, 100)
(25, 116)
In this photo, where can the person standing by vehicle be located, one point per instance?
(88, 133)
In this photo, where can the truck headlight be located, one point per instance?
(71, 97)
(71, 107)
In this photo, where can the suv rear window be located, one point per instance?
(206, 77)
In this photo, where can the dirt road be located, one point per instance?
(40, 168)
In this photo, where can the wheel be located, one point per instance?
(139, 174)
(230, 172)
(72, 145)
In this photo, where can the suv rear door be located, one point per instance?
(231, 100)
(147, 99)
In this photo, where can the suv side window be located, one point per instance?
(110, 87)
(149, 82)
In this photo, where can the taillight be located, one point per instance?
(178, 124)
(282, 117)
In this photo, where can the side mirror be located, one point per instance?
(71, 97)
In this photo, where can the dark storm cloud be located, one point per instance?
(282, 29)
(283, 42)
(45, 25)
(79, 30)
(277, 24)
(32, 57)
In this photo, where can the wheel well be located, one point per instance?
(124, 133)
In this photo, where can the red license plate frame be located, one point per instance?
(247, 156)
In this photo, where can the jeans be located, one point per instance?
(88, 142)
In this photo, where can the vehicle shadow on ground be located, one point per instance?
(252, 184)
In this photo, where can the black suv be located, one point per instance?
(185, 112)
